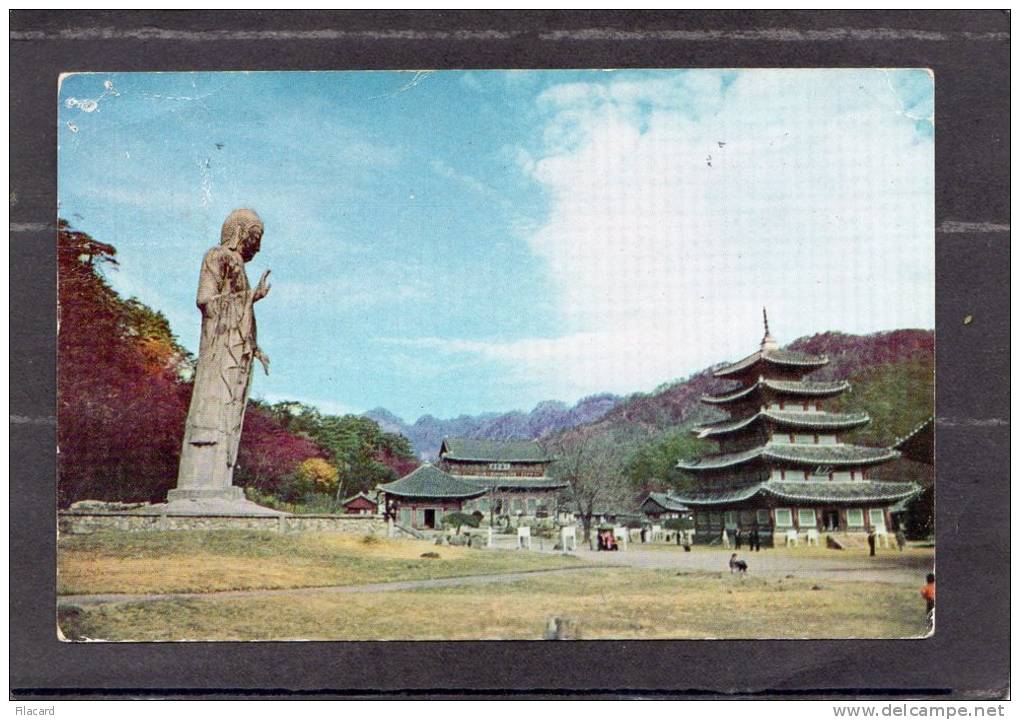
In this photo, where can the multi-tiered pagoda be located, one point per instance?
(781, 464)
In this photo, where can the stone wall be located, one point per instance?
(83, 523)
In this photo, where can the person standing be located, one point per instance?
(738, 538)
(901, 539)
(928, 593)
(755, 540)
(871, 542)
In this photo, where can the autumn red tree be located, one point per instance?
(121, 399)
(123, 393)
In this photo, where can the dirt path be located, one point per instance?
(887, 566)
(266, 592)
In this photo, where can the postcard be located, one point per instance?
(496, 355)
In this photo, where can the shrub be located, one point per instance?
(678, 524)
(458, 519)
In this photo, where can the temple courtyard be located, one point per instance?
(247, 585)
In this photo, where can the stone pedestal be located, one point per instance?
(232, 493)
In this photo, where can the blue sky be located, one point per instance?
(457, 242)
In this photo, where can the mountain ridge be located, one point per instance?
(673, 404)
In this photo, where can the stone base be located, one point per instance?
(210, 501)
(228, 493)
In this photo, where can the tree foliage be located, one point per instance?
(123, 390)
(592, 466)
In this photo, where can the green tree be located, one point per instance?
(651, 465)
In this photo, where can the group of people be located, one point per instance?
(901, 540)
(753, 539)
(606, 540)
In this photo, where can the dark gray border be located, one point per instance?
(969, 54)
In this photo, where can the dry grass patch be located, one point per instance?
(210, 561)
(610, 603)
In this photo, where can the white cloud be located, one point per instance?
(679, 208)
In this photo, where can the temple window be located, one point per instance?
(877, 517)
(784, 517)
(806, 517)
(855, 517)
(762, 517)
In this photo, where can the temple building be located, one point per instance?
(663, 506)
(421, 498)
(514, 475)
(781, 464)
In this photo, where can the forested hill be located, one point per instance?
(426, 434)
(862, 359)
(900, 361)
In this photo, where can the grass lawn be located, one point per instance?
(607, 603)
(213, 560)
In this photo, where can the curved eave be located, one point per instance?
(792, 454)
(452, 495)
(800, 455)
(865, 491)
(802, 421)
(458, 458)
(778, 358)
(792, 388)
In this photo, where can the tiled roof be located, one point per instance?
(778, 453)
(785, 419)
(429, 481)
(352, 498)
(919, 444)
(665, 501)
(510, 482)
(800, 388)
(785, 358)
(863, 491)
(483, 450)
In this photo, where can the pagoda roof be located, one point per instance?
(782, 418)
(863, 491)
(805, 388)
(665, 501)
(771, 356)
(510, 482)
(486, 450)
(919, 444)
(780, 453)
(428, 481)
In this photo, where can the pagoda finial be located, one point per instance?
(767, 343)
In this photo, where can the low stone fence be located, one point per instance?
(71, 522)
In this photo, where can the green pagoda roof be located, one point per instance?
(665, 501)
(784, 453)
(510, 482)
(862, 491)
(771, 356)
(428, 481)
(800, 388)
(484, 450)
(782, 418)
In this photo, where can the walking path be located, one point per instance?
(887, 566)
(373, 587)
